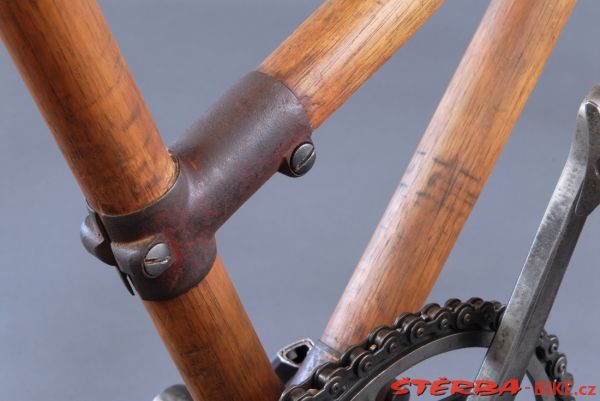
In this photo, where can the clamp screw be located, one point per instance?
(157, 260)
(303, 158)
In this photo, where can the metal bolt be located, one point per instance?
(553, 348)
(444, 323)
(157, 260)
(420, 332)
(467, 318)
(303, 158)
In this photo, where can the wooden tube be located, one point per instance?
(340, 46)
(452, 163)
(207, 333)
(68, 58)
(75, 72)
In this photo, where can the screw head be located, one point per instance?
(303, 158)
(157, 260)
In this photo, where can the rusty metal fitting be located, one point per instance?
(167, 248)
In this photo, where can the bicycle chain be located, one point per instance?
(333, 379)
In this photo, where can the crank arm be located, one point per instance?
(575, 197)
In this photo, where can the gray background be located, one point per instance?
(68, 330)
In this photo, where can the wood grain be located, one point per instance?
(340, 46)
(74, 70)
(68, 57)
(453, 161)
(211, 340)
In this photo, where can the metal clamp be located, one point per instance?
(257, 128)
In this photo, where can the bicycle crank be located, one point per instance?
(577, 194)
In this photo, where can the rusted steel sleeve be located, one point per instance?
(340, 46)
(249, 134)
(450, 167)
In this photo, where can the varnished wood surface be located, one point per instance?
(75, 72)
(213, 343)
(453, 161)
(67, 56)
(340, 46)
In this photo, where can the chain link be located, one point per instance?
(385, 345)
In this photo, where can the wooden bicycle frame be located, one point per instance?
(67, 56)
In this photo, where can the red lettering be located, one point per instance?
(439, 387)
(398, 386)
(486, 387)
(421, 385)
(557, 388)
(592, 390)
(512, 387)
(539, 388)
(462, 387)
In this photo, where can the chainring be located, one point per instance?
(364, 372)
